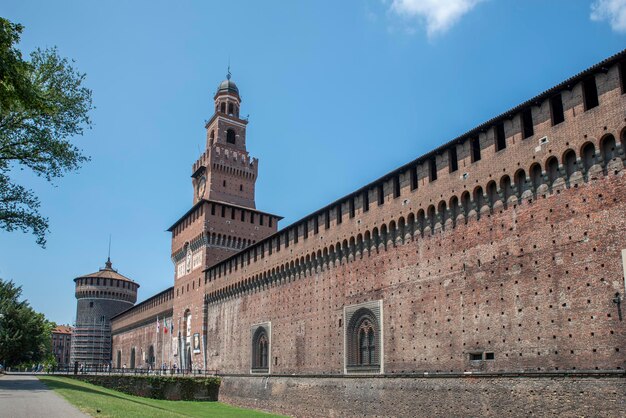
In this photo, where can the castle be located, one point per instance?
(485, 277)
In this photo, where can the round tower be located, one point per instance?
(100, 296)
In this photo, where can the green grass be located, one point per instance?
(91, 398)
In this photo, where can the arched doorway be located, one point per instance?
(189, 359)
(151, 356)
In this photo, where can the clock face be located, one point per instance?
(201, 186)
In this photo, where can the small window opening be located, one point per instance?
(490, 356)
(590, 93)
(338, 214)
(500, 137)
(366, 201)
(413, 178)
(91, 304)
(224, 183)
(396, 186)
(230, 108)
(527, 123)
(271, 221)
(475, 145)
(381, 194)
(243, 216)
(251, 217)
(556, 109)
(351, 207)
(223, 108)
(241, 187)
(476, 356)
(212, 209)
(433, 169)
(261, 219)
(316, 225)
(305, 230)
(327, 220)
(454, 162)
(230, 136)
(223, 211)
(232, 213)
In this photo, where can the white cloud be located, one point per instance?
(439, 15)
(612, 10)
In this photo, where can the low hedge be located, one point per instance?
(159, 387)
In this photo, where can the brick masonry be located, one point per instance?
(510, 263)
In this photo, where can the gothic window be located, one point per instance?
(363, 350)
(260, 350)
(230, 136)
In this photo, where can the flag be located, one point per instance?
(172, 326)
(165, 326)
(158, 325)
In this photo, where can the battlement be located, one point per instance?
(558, 139)
(220, 156)
(146, 310)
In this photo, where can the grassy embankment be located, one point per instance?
(101, 402)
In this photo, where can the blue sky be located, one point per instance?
(338, 93)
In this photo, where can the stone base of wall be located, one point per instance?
(159, 387)
(563, 395)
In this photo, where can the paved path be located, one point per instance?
(24, 396)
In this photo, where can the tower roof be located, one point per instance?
(228, 86)
(108, 272)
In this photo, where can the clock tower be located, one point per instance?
(222, 221)
(230, 174)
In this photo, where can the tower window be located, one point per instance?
(381, 194)
(556, 109)
(251, 217)
(230, 108)
(414, 182)
(232, 213)
(475, 146)
(590, 93)
(271, 221)
(223, 211)
(243, 216)
(396, 186)
(351, 207)
(454, 162)
(327, 220)
(212, 208)
(223, 108)
(241, 187)
(500, 137)
(224, 183)
(212, 138)
(366, 201)
(230, 136)
(305, 230)
(261, 219)
(433, 169)
(316, 225)
(339, 214)
(527, 123)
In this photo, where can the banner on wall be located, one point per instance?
(196, 342)
(175, 346)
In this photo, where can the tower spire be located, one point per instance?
(108, 264)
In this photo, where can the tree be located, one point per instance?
(25, 335)
(43, 104)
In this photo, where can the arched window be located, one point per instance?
(536, 176)
(230, 108)
(520, 182)
(223, 108)
(363, 338)
(230, 136)
(260, 350)
(506, 188)
(212, 138)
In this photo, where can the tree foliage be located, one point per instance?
(25, 335)
(43, 104)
